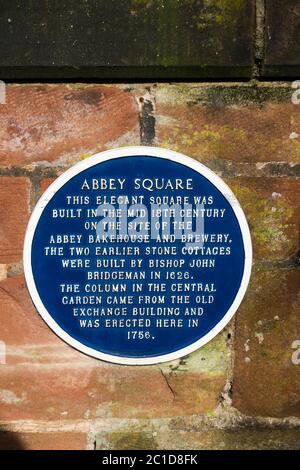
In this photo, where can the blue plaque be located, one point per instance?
(137, 255)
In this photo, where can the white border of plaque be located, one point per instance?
(125, 152)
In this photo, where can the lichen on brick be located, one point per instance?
(133, 441)
(241, 123)
(271, 219)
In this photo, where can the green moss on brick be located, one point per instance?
(131, 440)
(269, 220)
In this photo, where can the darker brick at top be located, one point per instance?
(282, 55)
(126, 38)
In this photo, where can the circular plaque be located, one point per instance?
(137, 255)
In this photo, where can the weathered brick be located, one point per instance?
(238, 123)
(14, 214)
(61, 123)
(38, 361)
(20, 323)
(85, 388)
(42, 440)
(28, 340)
(47, 392)
(272, 208)
(44, 379)
(79, 391)
(266, 381)
(193, 385)
(149, 437)
(45, 183)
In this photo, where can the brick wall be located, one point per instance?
(241, 390)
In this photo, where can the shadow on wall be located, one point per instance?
(10, 441)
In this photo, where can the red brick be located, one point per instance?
(38, 361)
(91, 389)
(42, 441)
(47, 392)
(266, 381)
(14, 214)
(27, 337)
(272, 208)
(45, 183)
(147, 393)
(234, 123)
(20, 323)
(79, 390)
(51, 122)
